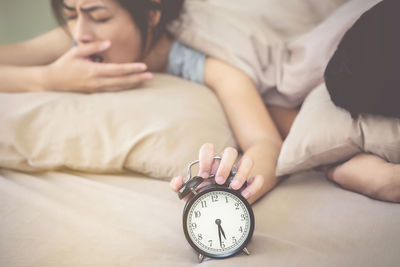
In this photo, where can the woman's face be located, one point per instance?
(100, 20)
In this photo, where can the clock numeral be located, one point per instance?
(226, 199)
(200, 237)
(210, 241)
(214, 198)
(197, 214)
(237, 205)
(194, 226)
(243, 216)
(222, 244)
(234, 240)
(204, 204)
(241, 229)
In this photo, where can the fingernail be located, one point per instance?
(142, 66)
(219, 179)
(246, 194)
(148, 76)
(235, 184)
(174, 180)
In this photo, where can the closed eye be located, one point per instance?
(100, 15)
(69, 14)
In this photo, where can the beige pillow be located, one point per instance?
(381, 136)
(155, 130)
(325, 134)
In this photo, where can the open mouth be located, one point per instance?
(96, 58)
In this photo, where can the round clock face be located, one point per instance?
(218, 223)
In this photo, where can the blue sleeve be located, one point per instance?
(186, 62)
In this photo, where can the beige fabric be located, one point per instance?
(71, 219)
(381, 136)
(153, 130)
(310, 53)
(324, 134)
(275, 42)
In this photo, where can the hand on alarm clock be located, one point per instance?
(221, 170)
(212, 201)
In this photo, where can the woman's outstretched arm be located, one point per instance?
(254, 130)
(41, 50)
(22, 64)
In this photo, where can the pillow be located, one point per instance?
(155, 130)
(381, 136)
(324, 134)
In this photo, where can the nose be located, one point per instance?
(83, 32)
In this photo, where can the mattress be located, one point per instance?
(79, 219)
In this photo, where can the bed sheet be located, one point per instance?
(77, 219)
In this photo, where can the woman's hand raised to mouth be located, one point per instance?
(75, 71)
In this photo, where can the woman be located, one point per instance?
(99, 50)
(109, 45)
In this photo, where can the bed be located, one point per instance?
(76, 191)
(77, 219)
(84, 179)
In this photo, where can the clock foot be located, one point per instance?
(201, 258)
(245, 250)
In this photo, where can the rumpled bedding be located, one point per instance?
(283, 46)
(77, 219)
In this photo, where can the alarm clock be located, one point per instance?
(218, 222)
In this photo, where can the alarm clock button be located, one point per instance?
(189, 186)
(229, 180)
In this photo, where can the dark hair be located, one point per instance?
(363, 75)
(139, 10)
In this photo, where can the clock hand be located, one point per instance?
(222, 231)
(219, 235)
(218, 222)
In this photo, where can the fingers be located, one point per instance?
(125, 82)
(85, 50)
(111, 70)
(206, 158)
(228, 160)
(254, 185)
(245, 167)
(176, 183)
(110, 76)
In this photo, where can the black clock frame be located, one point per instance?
(192, 200)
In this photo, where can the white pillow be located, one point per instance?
(155, 130)
(325, 134)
